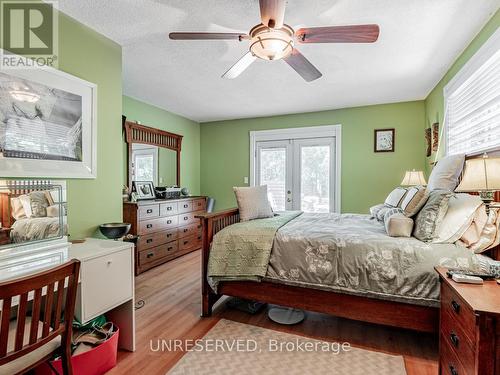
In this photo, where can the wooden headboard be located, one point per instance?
(15, 188)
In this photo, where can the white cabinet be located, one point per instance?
(106, 284)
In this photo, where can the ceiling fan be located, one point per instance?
(274, 40)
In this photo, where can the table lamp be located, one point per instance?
(481, 175)
(413, 178)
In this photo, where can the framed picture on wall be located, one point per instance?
(384, 140)
(47, 124)
(435, 136)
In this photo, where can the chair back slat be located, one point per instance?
(4, 325)
(49, 302)
(35, 315)
(21, 321)
(51, 311)
(59, 300)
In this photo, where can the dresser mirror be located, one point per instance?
(32, 211)
(152, 154)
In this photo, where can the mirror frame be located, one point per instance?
(137, 133)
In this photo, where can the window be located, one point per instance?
(145, 163)
(472, 101)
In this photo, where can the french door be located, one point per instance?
(299, 173)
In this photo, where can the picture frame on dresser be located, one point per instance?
(49, 124)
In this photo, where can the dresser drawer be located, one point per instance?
(449, 363)
(189, 230)
(168, 209)
(157, 254)
(154, 239)
(453, 334)
(149, 212)
(190, 243)
(185, 206)
(189, 218)
(459, 311)
(156, 225)
(106, 282)
(199, 204)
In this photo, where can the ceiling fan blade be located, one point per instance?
(240, 66)
(302, 66)
(339, 34)
(207, 36)
(272, 13)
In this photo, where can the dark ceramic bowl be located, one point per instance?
(113, 231)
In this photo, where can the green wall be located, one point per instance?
(434, 103)
(91, 56)
(367, 177)
(155, 117)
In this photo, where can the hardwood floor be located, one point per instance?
(172, 311)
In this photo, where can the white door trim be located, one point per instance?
(301, 133)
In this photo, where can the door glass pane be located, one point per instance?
(273, 174)
(315, 178)
(144, 168)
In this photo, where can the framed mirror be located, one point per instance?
(153, 154)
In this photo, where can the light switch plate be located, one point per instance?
(245, 180)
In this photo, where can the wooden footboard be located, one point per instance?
(211, 224)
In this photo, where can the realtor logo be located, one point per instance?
(29, 31)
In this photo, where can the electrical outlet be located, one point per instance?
(245, 180)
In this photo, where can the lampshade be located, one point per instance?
(481, 174)
(271, 44)
(413, 178)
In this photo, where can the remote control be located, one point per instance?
(466, 279)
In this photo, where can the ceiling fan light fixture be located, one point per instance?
(271, 44)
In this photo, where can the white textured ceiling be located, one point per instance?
(419, 40)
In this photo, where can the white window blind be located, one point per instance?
(473, 104)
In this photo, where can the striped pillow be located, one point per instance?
(395, 197)
(414, 200)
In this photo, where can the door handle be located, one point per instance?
(288, 200)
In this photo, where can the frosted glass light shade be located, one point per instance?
(413, 178)
(481, 174)
(271, 44)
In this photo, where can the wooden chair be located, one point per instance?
(30, 339)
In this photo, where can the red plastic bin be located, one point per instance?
(94, 362)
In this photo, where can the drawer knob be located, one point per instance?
(186, 217)
(454, 339)
(169, 208)
(149, 226)
(109, 262)
(186, 242)
(169, 234)
(149, 240)
(169, 221)
(149, 211)
(185, 206)
(185, 230)
(453, 370)
(456, 306)
(150, 255)
(169, 248)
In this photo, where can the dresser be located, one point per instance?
(166, 229)
(469, 338)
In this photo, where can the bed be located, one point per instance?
(299, 274)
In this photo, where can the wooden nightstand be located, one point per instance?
(5, 236)
(469, 338)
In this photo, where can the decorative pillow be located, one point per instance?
(397, 224)
(395, 197)
(53, 211)
(375, 209)
(26, 203)
(39, 204)
(428, 220)
(472, 235)
(381, 213)
(458, 218)
(414, 200)
(445, 174)
(253, 202)
(490, 236)
(16, 209)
